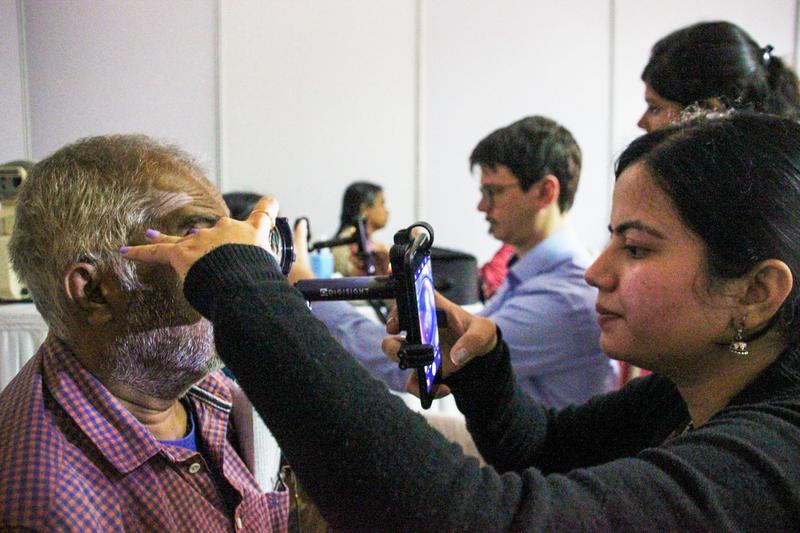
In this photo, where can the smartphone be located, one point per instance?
(417, 310)
(429, 375)
(364, 247)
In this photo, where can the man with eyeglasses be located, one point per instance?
(545, 309)
(529, 173)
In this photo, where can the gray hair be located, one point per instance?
(81, 204)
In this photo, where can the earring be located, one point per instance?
(738, 344)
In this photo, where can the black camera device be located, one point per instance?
(411, 285)
(281, 244)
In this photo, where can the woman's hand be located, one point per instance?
(465, 337)
(182, 252)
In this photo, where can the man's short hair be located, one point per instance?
(81, 204)
(532, 148)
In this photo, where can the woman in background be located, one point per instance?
(365, 200)
(715, 65)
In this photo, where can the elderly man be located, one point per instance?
(120, 421)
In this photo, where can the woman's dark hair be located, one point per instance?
(720, 60)
(357, 194)
(240, 204)
(735, 181)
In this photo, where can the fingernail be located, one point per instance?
(124, 249)
(192, 231)
(459, 356)
(151, 234)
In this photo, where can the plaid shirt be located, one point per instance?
(72, 458)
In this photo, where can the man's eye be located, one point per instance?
(653, 110)
(636, 252)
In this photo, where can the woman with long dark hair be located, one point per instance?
(364, 200)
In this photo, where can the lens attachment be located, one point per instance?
(281, 244)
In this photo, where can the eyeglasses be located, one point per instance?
(489, 193)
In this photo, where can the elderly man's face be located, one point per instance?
(164, 345)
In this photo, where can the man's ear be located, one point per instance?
(91, 292)
(766, 287)
(546, 191)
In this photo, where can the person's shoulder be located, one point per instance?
(555, 290)
(775, 415)
(346, 232)
(766, 433)
(557, 267)
(22, 402)
(32, 453)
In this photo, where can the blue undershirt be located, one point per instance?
(190, 440)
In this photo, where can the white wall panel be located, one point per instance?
(640, 23)
(488, 64)
(13, 131)
(315, 95)
(102, 66)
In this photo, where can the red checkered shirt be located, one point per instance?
(72, 458)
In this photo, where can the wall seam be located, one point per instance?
(218, 92)
(24, 82)
(795, 51)
(419, 104)
(611, 108)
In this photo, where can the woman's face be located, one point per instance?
(654, 306)
(377, 215)
(660, 112)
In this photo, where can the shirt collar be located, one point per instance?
(545, 256)
(116, 433)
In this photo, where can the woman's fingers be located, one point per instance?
(149, 253)
(392, 322)
(264, 213)
(479, 338)
(391, 346)
(182, 252)
(412, 384)
(155, 236)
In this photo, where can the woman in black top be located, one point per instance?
(698, 284)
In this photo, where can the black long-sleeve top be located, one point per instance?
(609, 465)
